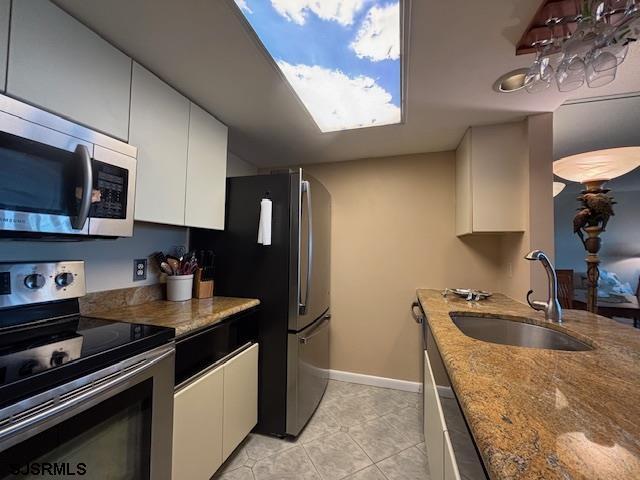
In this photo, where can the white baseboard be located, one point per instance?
(375, 381)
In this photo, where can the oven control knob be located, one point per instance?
(64, 279)
(57, 358)
(34, 281)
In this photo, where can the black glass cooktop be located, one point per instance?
(42, 354)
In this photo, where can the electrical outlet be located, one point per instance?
(139, 269)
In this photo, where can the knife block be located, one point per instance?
(202, 288)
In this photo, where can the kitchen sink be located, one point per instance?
(507, 331)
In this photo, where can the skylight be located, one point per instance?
(342, 57)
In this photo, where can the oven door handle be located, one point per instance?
(82, 395)
(87, 187)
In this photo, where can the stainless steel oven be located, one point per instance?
(114, 423)
(60, 178)
(79, 395)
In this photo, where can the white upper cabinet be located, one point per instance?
(60, 65)
(5, 5)
(492, 169)
(160, 130)
(206, 171)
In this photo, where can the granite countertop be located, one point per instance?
(545, 414)
(143, 306)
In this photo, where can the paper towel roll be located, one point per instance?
(264, 227)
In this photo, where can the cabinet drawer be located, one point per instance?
(240, 398)
(434, 424)
(197, 427)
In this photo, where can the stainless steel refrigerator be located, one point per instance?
(291, 278)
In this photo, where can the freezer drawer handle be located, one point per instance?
(306, 340)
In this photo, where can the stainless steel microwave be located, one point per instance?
(60, 178)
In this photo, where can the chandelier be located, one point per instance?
(585, 47)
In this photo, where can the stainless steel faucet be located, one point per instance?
(552, 309)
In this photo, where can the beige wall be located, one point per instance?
(518, 275)
(393, 230)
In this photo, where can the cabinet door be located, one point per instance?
(450, 465)
(57, 63)
(434, 424)
(206, 171)
(240, 399)
(160, 130)
(5, 5)
(464, 194)
(197, 428)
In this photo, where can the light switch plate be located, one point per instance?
(139, 269)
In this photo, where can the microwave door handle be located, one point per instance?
(87, 187)
(306, 188)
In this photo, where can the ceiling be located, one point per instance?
(456, 50)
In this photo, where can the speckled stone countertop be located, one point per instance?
(545, 414)
(141, 305)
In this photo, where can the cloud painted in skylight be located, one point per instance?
(242, 4)
(337, 101)
(342, 57)
(341, 11)
(379, 36)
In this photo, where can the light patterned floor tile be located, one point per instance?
(322, 423)
(292, 464)
(242, 473)
(369, 473)
(379, 439)
(236, 460)
(409, 422)
(336, 456)
(352, 410)
(262, 446)
(410, 464)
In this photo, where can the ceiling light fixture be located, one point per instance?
(578, 42)
(511, 81)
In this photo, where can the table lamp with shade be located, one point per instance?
(593, 170)
(558, 187)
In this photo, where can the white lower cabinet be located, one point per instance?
(450, 465)
(213, 414)
(433, 423)
(197, 427)
(442, 461)
(240, 399)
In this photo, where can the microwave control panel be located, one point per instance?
(110, 185)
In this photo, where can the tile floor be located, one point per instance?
(358, 433)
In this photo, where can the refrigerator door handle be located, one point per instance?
(306, 189)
